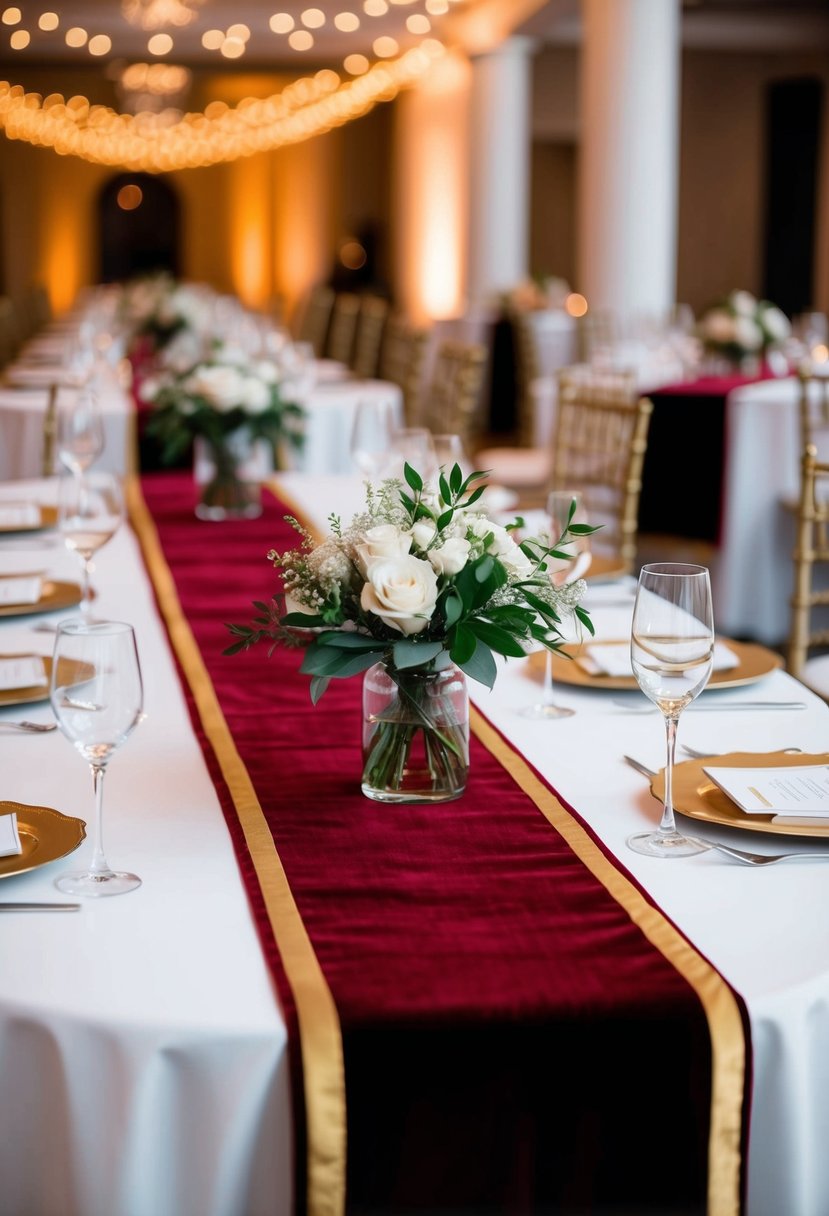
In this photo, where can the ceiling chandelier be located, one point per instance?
(151, 134)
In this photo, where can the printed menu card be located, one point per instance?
(800, 791)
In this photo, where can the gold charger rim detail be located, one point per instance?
(54, 595)
(698, 797)
(45, 834)
(755, 661)
(48, 519)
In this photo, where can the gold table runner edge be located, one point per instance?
(319, 1028)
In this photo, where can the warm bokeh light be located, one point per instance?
(301, 40)
(19, 40)
(375, 8)
(101, 44)
(385, 47)
(281, 23)
(129, 197)
(48, 21)
(160, 44)
(356, 65)
(418, 23)
(11, 16)
(232, 48)
(820, 353)
(347, 23)
(437, 7)
(211, 40)
(575, 305)
(240, 31)
(76, 36)
(352, 254)
(313, 18)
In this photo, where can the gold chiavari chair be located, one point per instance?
(814, 412)
(343, 328)
(50, 433)
(368, 340)
(527, 371)
(451, 401)
(315, 318)
(807, 651)
(402, 360)
(9, 332)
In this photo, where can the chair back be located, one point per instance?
(343, 328)
(371, 322)
(527, 371)
(809, 627)
(814, 412)
(599, 446)
(50, 433)
(315, 318)
(402, 358)
(451, 402)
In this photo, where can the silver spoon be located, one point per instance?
(37, 727)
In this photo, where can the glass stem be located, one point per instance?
(547, 692)
(86, 589)
(99, 865)
(667, 826)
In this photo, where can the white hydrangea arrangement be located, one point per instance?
(742, 326)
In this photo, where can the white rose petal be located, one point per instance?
(775, 323)
(748, 333)
(402, 591)
(423, 533)
(451, 557)
(744, 303)
(380, 542)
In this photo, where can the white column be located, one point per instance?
(499, 170)
(628, 156)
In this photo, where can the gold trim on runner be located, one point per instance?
(319, 1027)
(718, 1001)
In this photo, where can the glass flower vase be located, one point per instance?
(227, 476)
(415, 733)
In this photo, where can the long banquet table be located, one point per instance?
(166, 1057)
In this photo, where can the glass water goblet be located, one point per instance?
(412, 445)
(672, 654)
(97, 697)
(80, 431)
(564, 507)
(449, 451)
(90, 510)
(374, 422)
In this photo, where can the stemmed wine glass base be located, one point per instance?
(111, 882)
(665, 844)
(540, 711)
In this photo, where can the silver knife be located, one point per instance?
(31, 907)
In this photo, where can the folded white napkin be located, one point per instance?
(20, 589)
(613, 659)
(19, 515)
(22, 671)
(9, 838)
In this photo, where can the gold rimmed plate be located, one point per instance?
(53, 597)
(45, 835)
(754, 662)
(48, 519)
(698, 797)
(71, 671)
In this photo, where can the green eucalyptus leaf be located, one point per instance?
(497, 638)
(480, 666)
(318, 687)
(409, 653)
(463, 645)
(413, 478)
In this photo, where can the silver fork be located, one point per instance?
(36, 727)
(698, 755)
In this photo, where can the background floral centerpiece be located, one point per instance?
(742, 328)
(226, 402)
(418, 591)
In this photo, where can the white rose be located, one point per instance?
(294, 605)
(150, 389)
(451, 557)
(255, 396)
(502, 545)
(748, 334)
(221, 386)
(775, 323)
(744, 303)
(423, 533)
(265, 371)
(402, 591)
(380, 542)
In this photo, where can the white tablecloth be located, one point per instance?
(330, 408)
(140, 1038)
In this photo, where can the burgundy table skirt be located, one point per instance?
(512, 1040)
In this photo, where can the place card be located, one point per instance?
(22, 671)
(20, 589)
(9, 838)
(614, 659)
(800, 791)
(19, 515)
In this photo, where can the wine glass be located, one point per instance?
(564, 507)
(672, 654)
(80, 431)
(449, 451)
(90, 509)
(96, 694)
(374, 422)
(412, 445)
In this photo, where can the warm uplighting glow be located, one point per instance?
(211, 40)
(232, 48)
(352, 254)
(385, 47)
(48, 21)
(160, 44)
(281, 23)
(76, 36)
(820, 353)
(375, 8)
(240, 31)
(11, 16)
(129, 197)
(347, 23)
(101, 44)
(418, 24)
(19, 40)
(301, 40)
(250, 231)
(356, 65)
(313, 18)
(575, 305)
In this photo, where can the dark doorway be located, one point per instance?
(139, 226)
(792, 148)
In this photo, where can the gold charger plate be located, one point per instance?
(45, 836)
(696, 795)
(48, 519)
(754, 662)
(53, 596)
(604, 569)
(71, 669)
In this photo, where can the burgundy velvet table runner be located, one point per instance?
(513, 1042)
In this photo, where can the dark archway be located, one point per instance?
(139, 226)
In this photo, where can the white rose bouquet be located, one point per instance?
(741, 326)
(420, 582)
